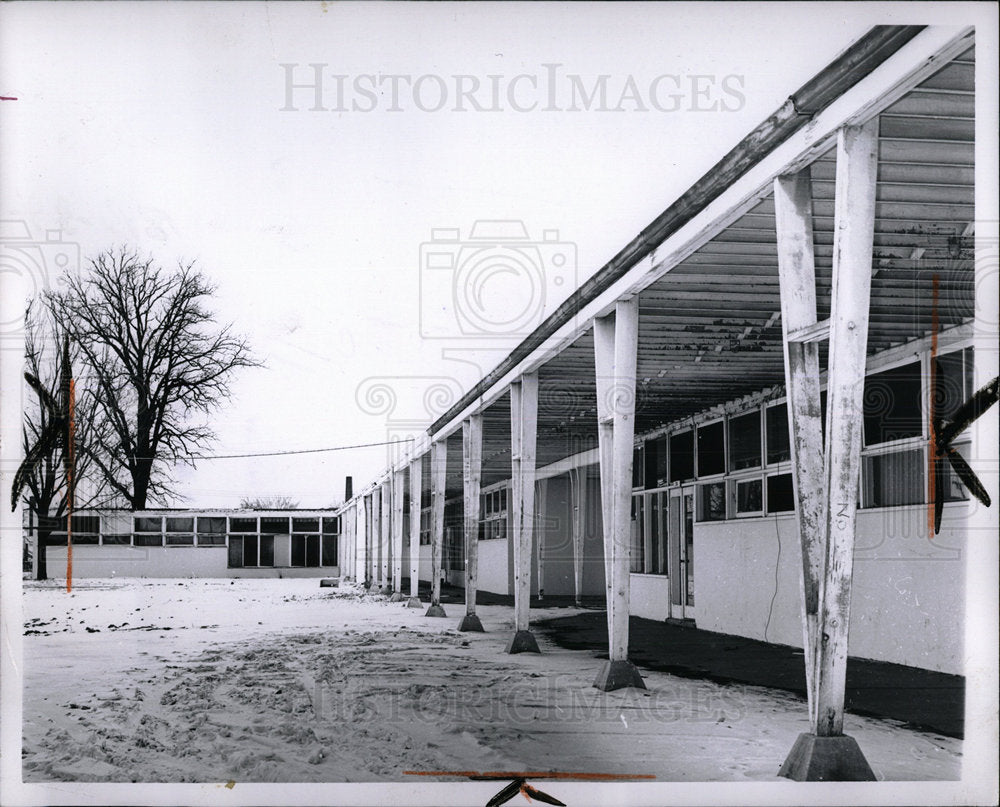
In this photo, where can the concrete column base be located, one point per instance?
(523, 642)
(435, 610)
(414, 602)
(470, 623)
(618, 675)
(826, 759)
(396, 597)
(385, 590)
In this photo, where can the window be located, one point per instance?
(329, 554)
(120, 539)
(638, 461)
(304, 524)
(298, 550)
(331, 525)
(894, 479)
(656, 558)
(780, 494)
(637, 554)
(892, 409)
(235, 551)
(682, 456)
(712, 502)
(211, 530)
(306, 550)
(493, 512)
(243, 524)
(744, 441)
(148, 530)
(250, 545)
(86, 529)
(425, 527)
(180, 531)
(711, 449)
(776, 422)
(748, 496)
(275, 525)
(655, 475)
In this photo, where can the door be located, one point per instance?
(681, 553)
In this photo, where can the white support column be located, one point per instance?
(369, 543)
(538, 546)
(384, 547)
(615, 351)
(377, 538)
(523, 437)
(826, 753)
(439, 470)
(797, 277)
(578, 503)
(398, 491)
(472, 469)
(416, 492)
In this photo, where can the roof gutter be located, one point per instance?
(857, 62)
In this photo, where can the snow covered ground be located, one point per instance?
(282, 681)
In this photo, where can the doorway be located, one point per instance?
(681, 554)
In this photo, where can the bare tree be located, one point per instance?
(49, 358)
(268, 503)
(160, 365)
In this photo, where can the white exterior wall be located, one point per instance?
(649, 596)
(493, 566)
(908, 594)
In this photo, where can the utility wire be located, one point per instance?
(286, 453)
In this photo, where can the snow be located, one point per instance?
(279, 680)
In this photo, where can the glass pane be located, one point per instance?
(711, 451)
(637, 467)
(215, 524)
(85, 538)
(86, 524)
(274, 525)
(307, 524)
(182, 539)
(212, 539)
(147, 539)
(744, 441)
(331, 525)
(892, 405)
(780, 495)
(713, 501)
(329, 550)
(116, 540)
(243, 524)
(682, 457)
(298, 550)
(180, 525)
(148, 524)
(894, 479)
(778, 446)
(636, 553)
(267, 550)
(249, 550)
(312, 550)
(235, 552)
(656, 462)
(750, 496)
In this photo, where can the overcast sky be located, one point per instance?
(172, 127)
